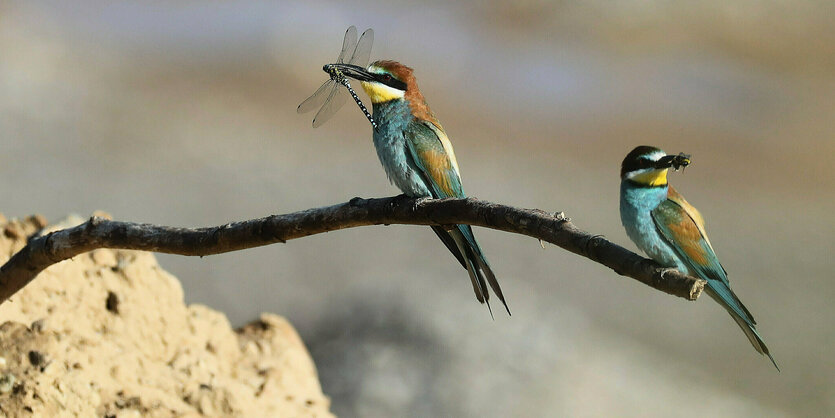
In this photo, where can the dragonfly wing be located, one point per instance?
(317, 98)
(362, 53)
(336, 99)
(349, 42)
(330, 96)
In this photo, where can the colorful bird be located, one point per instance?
(418, 157)
(671, 231)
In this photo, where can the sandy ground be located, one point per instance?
(185, 115)
(108, 334)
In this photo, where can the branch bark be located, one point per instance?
(43, 251)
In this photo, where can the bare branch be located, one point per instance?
(43, 251)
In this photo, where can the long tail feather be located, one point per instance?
(491, 278)
(476, 256)
(734, 306)
(467, 232)
(450, 243)
(755, 338)
(462, 244)
(479, 286)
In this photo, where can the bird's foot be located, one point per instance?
(420, 201)
(666, 270)
(401, 197)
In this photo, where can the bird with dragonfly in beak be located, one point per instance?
(672, 232)
(411, 144)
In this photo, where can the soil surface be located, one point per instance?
(108, 334)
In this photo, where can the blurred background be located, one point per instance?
(183, 113)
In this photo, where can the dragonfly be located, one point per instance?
(330, 97)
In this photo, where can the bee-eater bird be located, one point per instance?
(672, 232)
(418, 158)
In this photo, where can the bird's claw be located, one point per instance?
(399, 199)
(666, 270)
(420, 200)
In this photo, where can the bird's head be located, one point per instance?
(382, 80)
(647, 166)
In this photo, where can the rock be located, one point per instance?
(108, 334)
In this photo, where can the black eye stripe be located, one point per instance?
(390, 81)
(397, 84)
(639, 164)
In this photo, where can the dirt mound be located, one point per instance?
(108, 334)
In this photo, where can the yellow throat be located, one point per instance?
(381, 93)
(652, 178)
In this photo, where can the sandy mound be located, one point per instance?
(108, 334)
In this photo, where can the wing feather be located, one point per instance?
(432, 153)
(685, 234)
(434, 159)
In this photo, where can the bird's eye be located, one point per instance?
(386, 77)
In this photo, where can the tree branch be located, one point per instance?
(43, 251)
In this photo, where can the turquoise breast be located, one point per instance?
(392, 119)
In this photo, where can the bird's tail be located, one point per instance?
(462, 244)
(723, 295)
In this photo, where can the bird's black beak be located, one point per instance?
(353, 71)
(675, 161)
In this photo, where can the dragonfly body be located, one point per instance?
(340, 78)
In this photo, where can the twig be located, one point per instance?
(43, 251)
